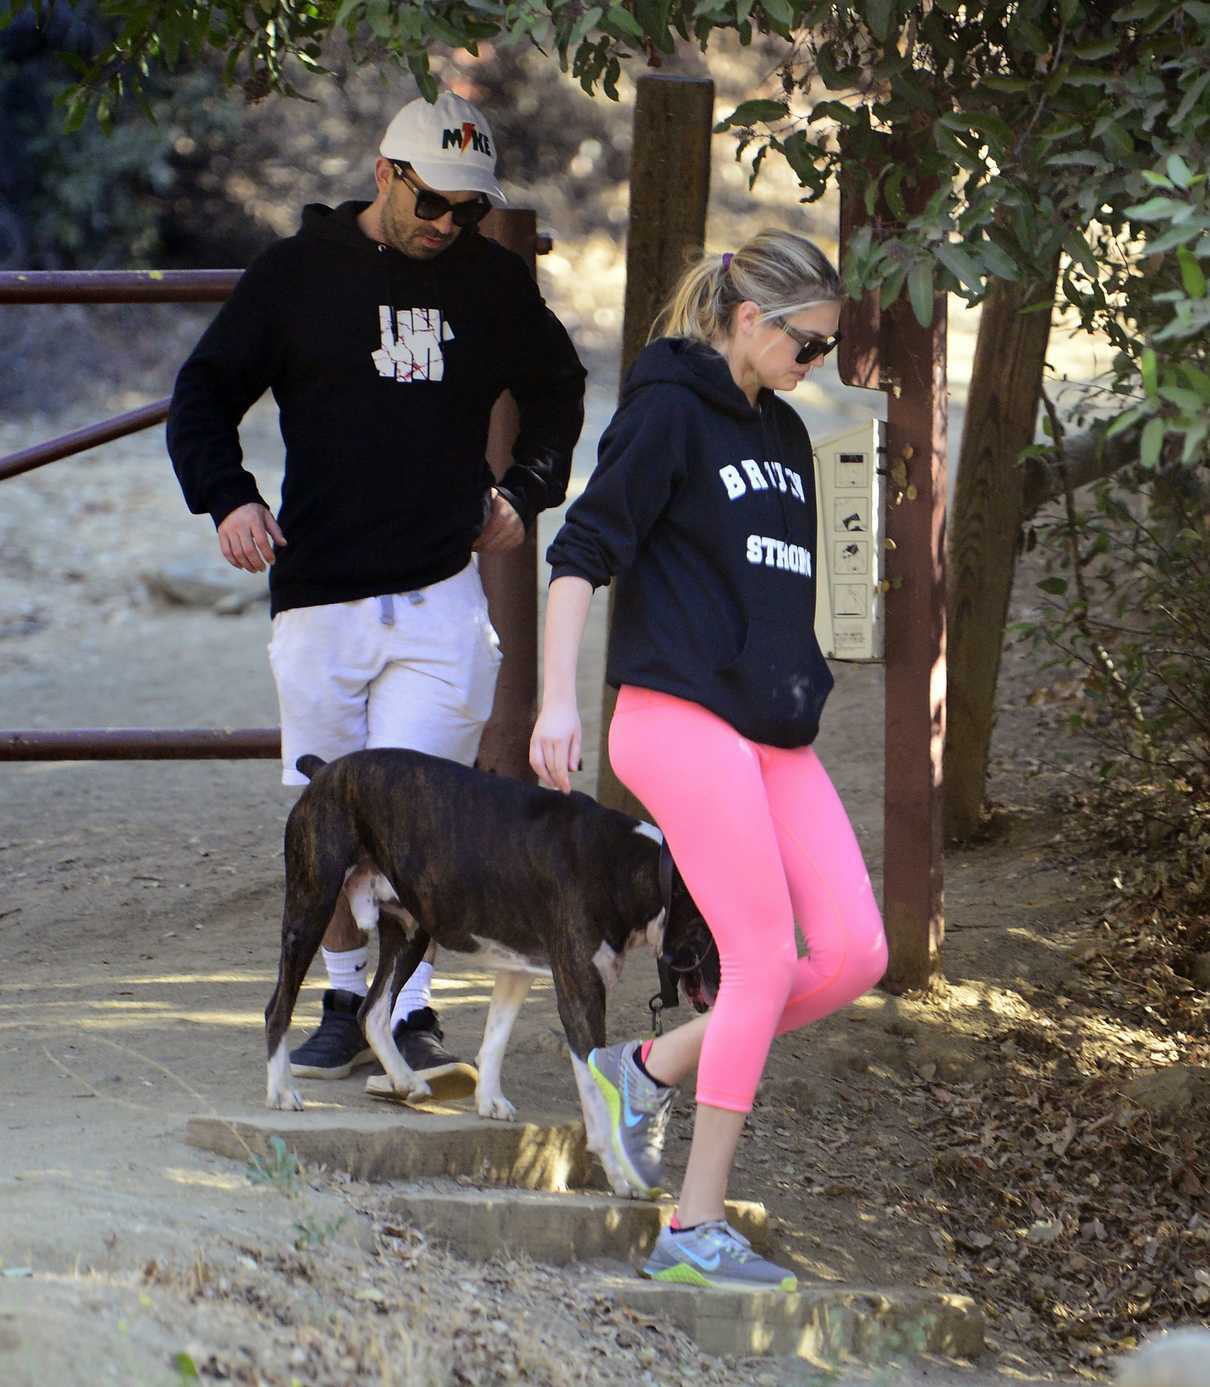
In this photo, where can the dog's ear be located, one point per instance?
(308, 765)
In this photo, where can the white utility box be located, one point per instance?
(851, 543)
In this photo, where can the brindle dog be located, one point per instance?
(499, 873)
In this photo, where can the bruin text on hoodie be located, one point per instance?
(767, 549)
(703, 508)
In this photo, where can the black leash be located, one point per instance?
(668, 995)
(669, 991)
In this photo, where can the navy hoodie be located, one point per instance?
(704, 508)
(385, 370)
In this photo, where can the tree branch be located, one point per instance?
(1086, 458)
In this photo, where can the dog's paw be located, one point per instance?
(498, 1108)
(286, 1100)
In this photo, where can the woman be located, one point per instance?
(703, 507)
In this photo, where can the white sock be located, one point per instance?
(415, 994)
(347, 969)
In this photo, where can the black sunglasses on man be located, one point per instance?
(809, 348)
(431, 206)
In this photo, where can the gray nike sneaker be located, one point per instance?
(714, 1255)
(638, 1115)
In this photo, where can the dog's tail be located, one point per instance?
(308, 765)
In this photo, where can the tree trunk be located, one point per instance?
(989, 501)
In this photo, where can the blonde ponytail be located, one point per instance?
(780, 272)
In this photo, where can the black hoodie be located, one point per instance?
(385, 370)
(704, 508)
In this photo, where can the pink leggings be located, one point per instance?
(762, 840)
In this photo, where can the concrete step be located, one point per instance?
(823, 1323)
(553, 1228)
(407, 1144)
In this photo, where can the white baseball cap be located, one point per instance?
(448, 143)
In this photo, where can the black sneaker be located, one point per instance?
(418, 1039)
(338, 1046)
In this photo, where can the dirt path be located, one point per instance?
(138, 923)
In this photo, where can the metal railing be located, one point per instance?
(510, 580)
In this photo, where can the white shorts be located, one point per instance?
(414, 670)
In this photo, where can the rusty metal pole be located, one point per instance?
(915, 368)
(117, 286)
(141, 744)
(511, 580)
(669, 195)
(81, 440)
(893, 353)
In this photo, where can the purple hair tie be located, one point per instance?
(727, 259)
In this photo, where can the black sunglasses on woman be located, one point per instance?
(809, 348)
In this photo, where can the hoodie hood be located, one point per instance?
(339, 225)
(336, 224)
(696, 365)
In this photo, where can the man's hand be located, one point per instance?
(504, 529)
(248, 537)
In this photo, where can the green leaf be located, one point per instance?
(1126, 420)
(621, 18)
(996, 130)
(920, 291)
(1056, 585)
(892, 286)
(1078, 248)
(959, 264)
(1116, 140)
(1179, 171)
(1029, 35)
(1148, 369)
(1151, 443)
(1007, 84)
(1194, 438)
(1157, 180)
(834, 110)
(892, 191)
(1193, 277)
(878, 14)
(1156, 209)
(1142, 9)
(1189, 401)
(1178, 236)
(779, 12)
(1077, 158)
(750, 112)
(1190, 99)
(1197, 378)
(998, 261)
(1094, 52)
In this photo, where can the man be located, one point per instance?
(386, 331)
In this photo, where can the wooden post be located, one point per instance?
(893, 353)
(669, 194)
(511, 580)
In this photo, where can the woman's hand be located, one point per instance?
(554, 748)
